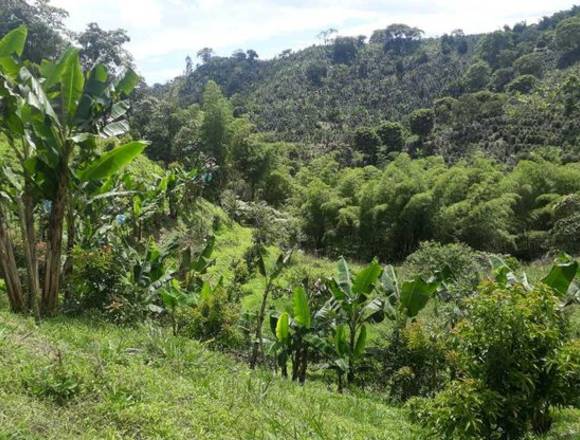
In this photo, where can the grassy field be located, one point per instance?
(86, 379)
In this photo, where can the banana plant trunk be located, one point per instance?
(350, 374)
(303, 364)
(26, 207)
(49, 302)
(70, 243)
(9, 269)
(258, 339)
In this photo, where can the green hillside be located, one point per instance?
(86, 379)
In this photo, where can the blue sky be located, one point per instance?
(164, 32)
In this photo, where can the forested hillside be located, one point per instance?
(322, 93)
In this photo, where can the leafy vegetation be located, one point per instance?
(140, 260)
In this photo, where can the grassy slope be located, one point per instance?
(143, 383)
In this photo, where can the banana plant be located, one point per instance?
(355, 304)
(294, 334)
(172, 297)
(193, 265)
(270, 273)
(405, 300)
(148, 273)
(561, 278)
(51, 122)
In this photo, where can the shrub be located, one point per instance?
(214, 319)
(465, 263)
(95, 280)
(512, 364)
(413, 363)
(465, 410)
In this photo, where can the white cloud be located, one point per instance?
(168, 29)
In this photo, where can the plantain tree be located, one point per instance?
(296, 334)
(52, 116)
(356, 304)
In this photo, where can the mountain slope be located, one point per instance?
(321, 93)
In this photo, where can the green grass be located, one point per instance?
(87, 379)
(144, 383)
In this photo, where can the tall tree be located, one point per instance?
(99, 46)
(217, 116)
(45, 24)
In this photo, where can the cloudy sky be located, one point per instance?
(164, 32)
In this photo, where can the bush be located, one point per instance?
(465, 263)
(214, 319)
(96, 279)
(465, 410)
(512, 365)
(413, 364)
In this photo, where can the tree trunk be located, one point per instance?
(295, 364)
(70, 243)
(258, 340)
(26, 207)
(350, 374)
(284, 368)
(10, 270)
(303, 364)
(49, 302)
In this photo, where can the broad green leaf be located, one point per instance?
(337, 292)
(203, 262)
(340, 340)
(9, 67)
(119, 109)
(169, 299)
(389, 280)
(415, 294)
(13, 42)
(282, 329)
(344, 279)
(365, 280)
(501, 271)
(301, 309)
(72, 82)
(206, 290)
(361, 342)
(118, 128)
(374, 311)
(127, 83)
(36, 97)
(113, 161)
(561, 276)
(94, 88)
